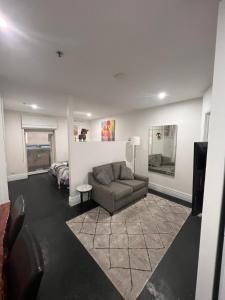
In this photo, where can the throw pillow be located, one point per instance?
(103, 178)
(117, 168)
(155, 160)
(126, 173)
(107, 168)
(166, 160)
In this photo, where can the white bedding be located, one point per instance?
(61, 171)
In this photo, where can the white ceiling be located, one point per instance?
(160, 45)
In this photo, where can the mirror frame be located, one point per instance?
(150, 130)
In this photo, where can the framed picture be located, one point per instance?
(108, 131)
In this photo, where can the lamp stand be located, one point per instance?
(134, 156)
(136, 142)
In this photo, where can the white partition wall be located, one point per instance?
(4, 197)
(214, 173)
(206, 110)
(86, 155)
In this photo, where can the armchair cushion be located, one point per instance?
(135, 184)
(117, 168)
(119, 190)
(126, 173)
(166, 160)
(103, 177)
(155, 160)
(107, 168)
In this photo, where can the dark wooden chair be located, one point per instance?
(14, 224)
(24, 268)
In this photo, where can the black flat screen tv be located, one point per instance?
(200, 157)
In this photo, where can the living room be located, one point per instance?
(129, 111)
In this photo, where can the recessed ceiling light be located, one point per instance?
(34, 106)
(3, 24)
(162, 95)
(89, 115)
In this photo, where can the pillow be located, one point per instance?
(126, 173)
(155, 160)
(116, 168)
(107, 168)
(166, 160)
(103, 178)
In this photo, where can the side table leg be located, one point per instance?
(81, 197)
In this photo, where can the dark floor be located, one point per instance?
(71, 273)
(176, 275)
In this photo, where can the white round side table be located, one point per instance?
(84, 188)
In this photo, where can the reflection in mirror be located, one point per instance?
(162, 149)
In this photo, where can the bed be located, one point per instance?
(60, 170)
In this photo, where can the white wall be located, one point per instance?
(37, 121)
(4, 197)
(14, 135)
(187, 115)
(15, 146)
(214, 172)
(61, 140)
(124, 127)
(206, 108)
(85, 156)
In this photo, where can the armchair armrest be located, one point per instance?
(101, 194)
(141, 177)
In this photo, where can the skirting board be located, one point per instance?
(17, 177)
(37, 172)
(171, 192)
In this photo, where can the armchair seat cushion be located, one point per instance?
(135, 184)
(119, 190)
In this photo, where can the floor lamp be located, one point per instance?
(136, 142)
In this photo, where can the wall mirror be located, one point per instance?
(162, 149)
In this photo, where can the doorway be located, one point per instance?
(40, 150)
(206, 127)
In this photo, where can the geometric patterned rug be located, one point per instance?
(129, 245)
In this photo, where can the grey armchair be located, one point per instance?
(118, 193)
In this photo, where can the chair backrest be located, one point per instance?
(15, 222)
(25, 267)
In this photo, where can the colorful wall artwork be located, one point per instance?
(108, 130)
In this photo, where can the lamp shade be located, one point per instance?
(136, 140)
